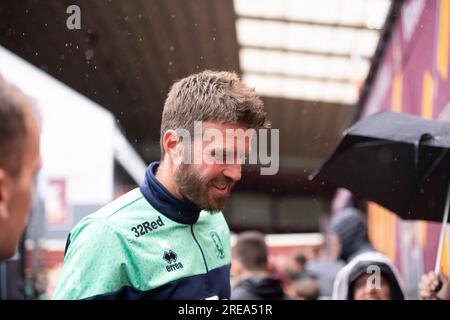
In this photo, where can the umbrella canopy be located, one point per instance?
(400, 161)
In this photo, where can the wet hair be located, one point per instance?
(211, 96)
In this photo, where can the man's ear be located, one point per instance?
(173, 146)
(169, 140)
(3, 194)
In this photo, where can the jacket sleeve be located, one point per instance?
(94, 263)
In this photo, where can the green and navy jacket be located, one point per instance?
(147, 244)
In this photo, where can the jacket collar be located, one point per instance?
(181, 211)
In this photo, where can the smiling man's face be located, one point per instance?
(208, 184)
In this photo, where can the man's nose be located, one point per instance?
(233, 172)
(370, 289)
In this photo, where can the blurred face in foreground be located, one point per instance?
(364, 290)
(16, 192)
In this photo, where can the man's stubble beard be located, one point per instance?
(196, 189)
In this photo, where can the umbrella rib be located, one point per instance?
(435, 163)
(437, 265)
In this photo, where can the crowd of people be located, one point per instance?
(350, 269)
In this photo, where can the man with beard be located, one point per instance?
(168, 239)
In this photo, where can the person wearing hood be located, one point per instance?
(349, 229)
(368, 274)
(250, 268)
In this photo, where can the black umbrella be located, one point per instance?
(400, 161)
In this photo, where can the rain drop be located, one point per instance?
(89, 54)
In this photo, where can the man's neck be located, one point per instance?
(166, 176)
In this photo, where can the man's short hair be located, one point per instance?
(212, 96)
(13, 130)
(251, 251)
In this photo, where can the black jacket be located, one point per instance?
(259, 288)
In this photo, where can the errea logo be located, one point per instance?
(171, 258)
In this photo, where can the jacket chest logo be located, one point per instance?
(147, 226)
(171, 258)
(220, 252)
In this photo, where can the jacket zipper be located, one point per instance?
(203, 255)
